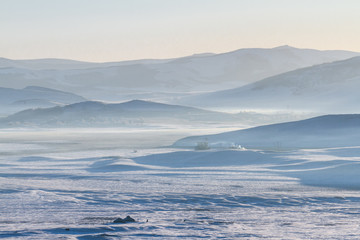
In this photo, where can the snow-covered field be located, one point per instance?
(72, 184)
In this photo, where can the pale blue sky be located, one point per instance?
(111, 30)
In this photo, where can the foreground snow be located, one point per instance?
(76, 188)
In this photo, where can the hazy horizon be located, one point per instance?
(113, 30)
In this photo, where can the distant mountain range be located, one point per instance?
(330, 87)
(161, 79)
(319, 132)
(63, 64)
(129, 114)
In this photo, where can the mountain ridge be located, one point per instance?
(121, 81)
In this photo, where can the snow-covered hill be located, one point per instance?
(155, 79)
(330, 88)
(319, 132)
(136, 113)
(12, 100)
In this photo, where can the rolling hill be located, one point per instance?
(136, 113)
(329, 88)
(13, 100)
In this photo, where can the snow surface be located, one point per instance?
(72, 184)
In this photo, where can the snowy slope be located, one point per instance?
(319, 132)
(204, 72)
(331, 88)
(98, 114)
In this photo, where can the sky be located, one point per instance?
(116, 30)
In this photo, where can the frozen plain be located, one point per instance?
(72, 184)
